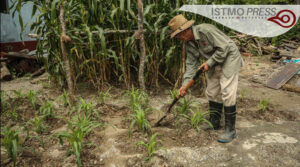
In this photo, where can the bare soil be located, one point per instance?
(269, 138)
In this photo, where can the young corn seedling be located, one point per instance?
(88, 109)
(78, 129)
(12, 113)
(151, 146)
(139, 118)
(32, 98)
(4, 103)
(137, 98)
(18, 93)
(263, 105)
(65, 98)
(102, 96)
(37, 123)
(197, 118)
(47, 110)
(11, 142)
(174, 93)
(184, 108)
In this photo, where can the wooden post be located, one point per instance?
(65, 54)
(142, 45)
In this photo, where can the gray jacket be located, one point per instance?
(213, 45)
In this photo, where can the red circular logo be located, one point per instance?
(285, 18)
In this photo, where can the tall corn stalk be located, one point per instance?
(100, 58)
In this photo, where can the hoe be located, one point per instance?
(191, 82)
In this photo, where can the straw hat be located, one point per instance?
(178, 24)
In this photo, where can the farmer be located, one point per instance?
(223, 62)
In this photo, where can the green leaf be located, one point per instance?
(21, 23)
(122, 3)
(14, 151)
(34, 8)
(148, 8)
(53, 10)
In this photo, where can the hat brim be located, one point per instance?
(183, 27)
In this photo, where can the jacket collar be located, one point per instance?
(196, 34)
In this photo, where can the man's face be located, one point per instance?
(184, 35)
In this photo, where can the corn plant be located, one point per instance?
(12, 113)
(4, 103)
(31, 95)
(137, 98)
(18, 93)
(37, 123)
(110, 55)
(139, 117)
(78, 129)
(102, 95)
(65, 98)
(151, 146)
(263, 105)
(184, 108)
(11, 142)
(90, 54)
(46, 109)
(197, 118)
(174, 93)
(87, 108)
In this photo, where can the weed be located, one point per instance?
(45, 84)
(32, 98)
(78, 129)
(103, 95)
(243, 93)
(151, 147)
(263, 104)
(139, 117)
(47, 110)
(11, 142)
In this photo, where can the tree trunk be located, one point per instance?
(142, 46)
(65, 55)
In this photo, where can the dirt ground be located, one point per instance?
(270, 138)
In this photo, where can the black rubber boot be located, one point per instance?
(215, 110)
(229, 134)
